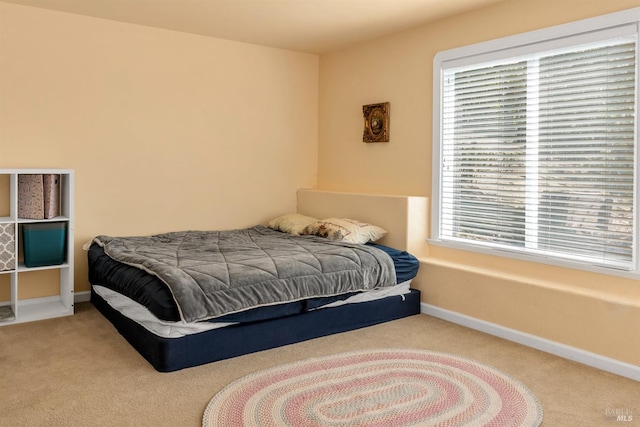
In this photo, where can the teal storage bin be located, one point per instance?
(44, 243)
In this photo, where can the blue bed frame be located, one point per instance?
(172, 354)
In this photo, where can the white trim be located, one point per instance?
(36, 171)
(558, 32)
(520, 254)
(558, 349)
(84, 296)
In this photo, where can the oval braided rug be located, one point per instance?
(388, 387)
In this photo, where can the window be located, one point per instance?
(535, 145)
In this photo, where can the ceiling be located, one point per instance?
(314, 26)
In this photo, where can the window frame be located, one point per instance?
(575, 33)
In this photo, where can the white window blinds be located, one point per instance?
(538, 154)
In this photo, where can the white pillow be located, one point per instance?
(291, 223)
(346, 230)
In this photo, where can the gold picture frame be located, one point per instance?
(376, 122)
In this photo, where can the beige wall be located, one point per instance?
(165, 130)
(169, 130)
(597, 313)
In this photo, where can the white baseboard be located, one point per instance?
(558, 349)
(84, 296)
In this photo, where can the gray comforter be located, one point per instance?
(213, 273)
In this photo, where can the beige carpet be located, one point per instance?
(78, 371)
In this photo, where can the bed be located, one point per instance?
(187, 298)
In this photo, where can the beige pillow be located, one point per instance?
(346, 230)
(291, 223)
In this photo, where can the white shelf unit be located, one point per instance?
(26, 310)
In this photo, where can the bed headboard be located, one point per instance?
(404, 217)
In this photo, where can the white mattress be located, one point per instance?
(167, 329)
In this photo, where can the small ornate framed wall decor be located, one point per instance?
(376, 122)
